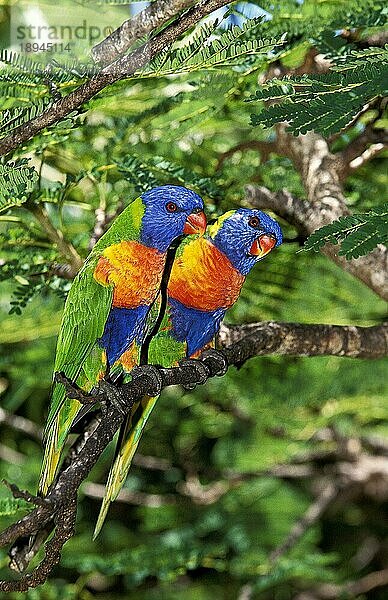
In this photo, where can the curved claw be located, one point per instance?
(201, 370)
(108, 392)
(218, 358)
(73, 391)
(154, 375)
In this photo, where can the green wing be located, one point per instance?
(85, 314)
(86, 311)
(165, 351)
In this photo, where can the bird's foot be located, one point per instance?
(202, 372)
(215, 360)
(73, 391)
(154, 376)
(109, 394)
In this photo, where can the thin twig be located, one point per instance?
(367, 155)
(353, 589)
(57, 237)
(263, 147)
(11, 456)
(97, 491)
(24, 495)
(21, 424)
(311, 516)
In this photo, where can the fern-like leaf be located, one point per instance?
(13, 117)
(357, 234)
(325, 103)
(210, 48)
(17, 180)
(146, 174)
(23, 69)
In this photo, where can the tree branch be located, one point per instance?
(21, 424)
(257, 339)
(311, 516)
(244, 342)
(365, 147)
(97, 491)
(305, 216)
(367, 155)
(264, 147)
(152, 17)
(120, 69)
(56, 236)
(331, 591)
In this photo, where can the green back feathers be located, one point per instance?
(164, 350)
(86, 311)
(88, 303)
(126, 226)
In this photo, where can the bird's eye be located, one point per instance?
(171, 207)
(254, 222)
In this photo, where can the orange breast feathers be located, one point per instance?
(134, 269)
(204, 278)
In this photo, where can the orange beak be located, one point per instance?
(262, 245)
(195, 223)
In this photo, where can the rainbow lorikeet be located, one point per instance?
(206, 280)
(106, 309)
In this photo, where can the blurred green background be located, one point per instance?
(205, 506)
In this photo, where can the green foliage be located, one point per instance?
(158, 171)
(226, 48)
(325, 103)
(13, 117)
(17, 180)
(11, 506)
(24, 70)
(358, 234)
(172, 123)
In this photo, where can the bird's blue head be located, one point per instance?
(245, 236)
(170, 211)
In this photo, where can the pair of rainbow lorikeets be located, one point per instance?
(110, 305)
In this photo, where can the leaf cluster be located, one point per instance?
(357, 234)
(17, 180)
(211, 48)
(10, 506)
(156, 170)
(325, 103)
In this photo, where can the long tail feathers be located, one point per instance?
(52, 454)
(119, 470)
(54, 441)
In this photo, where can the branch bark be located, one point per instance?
(58, 509)
(120, 69)
(371, 269)
(257, 339)
(119, 41)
